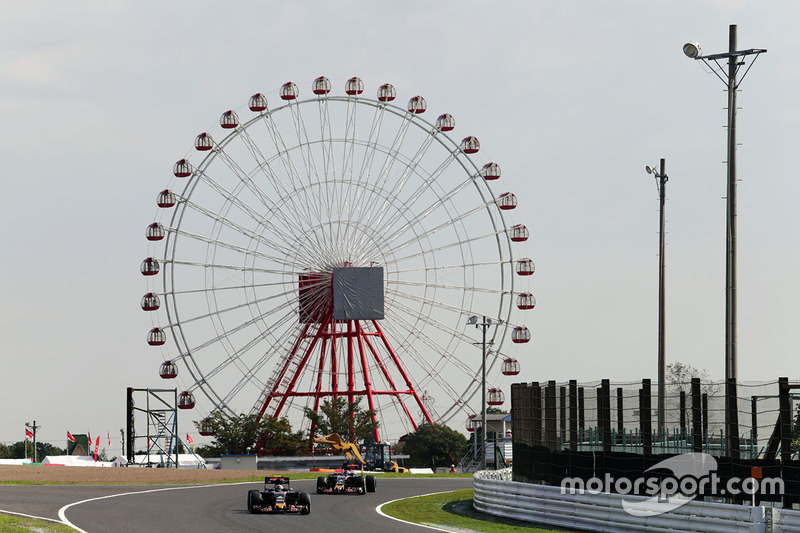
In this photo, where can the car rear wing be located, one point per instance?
(276, 480)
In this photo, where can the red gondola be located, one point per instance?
(186, 400)
(150, 302)
(386, 93)
(156, 337)
(520, 335)
(510, 367)
(149, 267)
(203, 142)
(321, 85)
(417, 105)
(154, 232)
(495, 397)
(525, 267)
(507, 201)
(445, 122)
(354, 86)
(519, 233)
(229, 120)
(257, 103)
(165, 199)
(289, 91)
(470, 145)
(182, 169)
(525, 300)
(168, 370)
(490, 171)
(207, 428)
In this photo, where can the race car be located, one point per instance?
(278, 497)
(344, 482)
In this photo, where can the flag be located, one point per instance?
(89, 433)
(109, 439)
(96, 446)
(70, 437)
(28, 433)
(189, 439)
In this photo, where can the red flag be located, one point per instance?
(189, 439)
(28, 433)
(90, 439)
(96, 446)
(109, 439)
(70, 437)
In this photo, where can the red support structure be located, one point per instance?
(317, 346)
(367, 383)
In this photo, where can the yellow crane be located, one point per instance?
(378, 461)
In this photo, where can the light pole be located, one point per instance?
(33, 427)
(661, 183)
(484, 325)
(735, 61)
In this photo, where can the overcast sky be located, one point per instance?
(573, 99)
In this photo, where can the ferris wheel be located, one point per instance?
(335, 246)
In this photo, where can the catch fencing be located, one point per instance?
(724, 419)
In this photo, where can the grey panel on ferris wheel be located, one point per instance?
(358, 293)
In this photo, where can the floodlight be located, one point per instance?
(649, 169)
(472, 320)
(692, 50)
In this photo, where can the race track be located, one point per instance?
(215, 508)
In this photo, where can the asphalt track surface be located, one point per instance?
(217, 508)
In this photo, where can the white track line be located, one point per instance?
(31, 516)
(63, 515)
(380, 512)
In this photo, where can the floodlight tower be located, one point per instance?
(661, 183)
(735, 61)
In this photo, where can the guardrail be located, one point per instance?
(785, 521)
(496, 494)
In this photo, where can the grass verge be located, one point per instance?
(19, 524)
(453, 511)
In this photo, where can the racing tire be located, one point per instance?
(322, 484)
(253, 500)
(305, 500)
(370, 483)
(362, 489)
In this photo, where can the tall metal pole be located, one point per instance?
(484, 325)
(33, 428)
(735, 60)
(662, 368)
(730, 294)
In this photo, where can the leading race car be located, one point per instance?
(346, 481)
(278, 498)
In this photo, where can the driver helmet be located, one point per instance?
(279, 487)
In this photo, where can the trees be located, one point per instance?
(246, 434)
(18, 449)
(435, 445)
(337, 415)
(678, 379)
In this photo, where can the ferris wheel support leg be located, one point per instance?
(403, 373)
(389, 380)
(350, 369)
(321, 333)
(262, 405)
(320, 373)
(334, 363)
(367, 381)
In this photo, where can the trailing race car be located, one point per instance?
(279, 498)
(346, 481)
